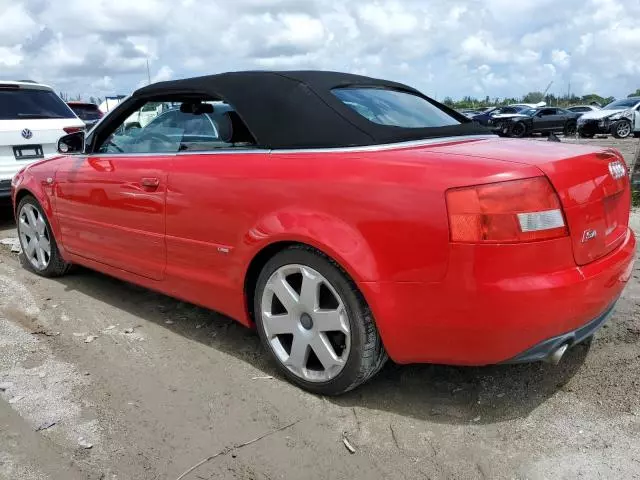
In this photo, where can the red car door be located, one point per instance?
(111, 209)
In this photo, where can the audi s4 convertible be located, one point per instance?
(348, 219)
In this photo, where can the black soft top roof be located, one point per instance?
(296, 109)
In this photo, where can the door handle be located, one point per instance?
(150, 182)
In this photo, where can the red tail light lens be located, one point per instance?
(506, 212)
(73, 129)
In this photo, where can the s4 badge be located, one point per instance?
(588, 234)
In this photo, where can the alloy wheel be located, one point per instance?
(34, 237)
(623, 129)
(306, 323)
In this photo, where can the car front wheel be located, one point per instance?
(315, 323)
(621, 129)
(518, 130)
(39, 247)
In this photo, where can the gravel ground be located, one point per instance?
(186, 383)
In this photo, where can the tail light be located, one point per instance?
(506, 212)
(73, 129)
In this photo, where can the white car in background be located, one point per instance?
(32, 119)
(620, 118)
(582, 109)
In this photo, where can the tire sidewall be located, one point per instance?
(519, 130)
(55, 257)
(614, 129)
(352, 303)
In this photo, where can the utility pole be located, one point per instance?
(148, 73)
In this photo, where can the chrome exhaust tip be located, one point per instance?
(555, 357)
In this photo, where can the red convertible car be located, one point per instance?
(349, 219)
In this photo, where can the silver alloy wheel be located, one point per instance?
(306, 323)
(623, 129)
(34, 237)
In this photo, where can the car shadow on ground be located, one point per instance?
(442, 394)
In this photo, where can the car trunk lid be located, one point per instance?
(592, 184)
(24, 141)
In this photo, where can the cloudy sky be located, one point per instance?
(443, 47)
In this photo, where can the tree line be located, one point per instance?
(532, 97)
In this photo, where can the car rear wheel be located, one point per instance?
(621, 129)
(315, 323)
(518, 130)
(39, 248)
(570, 129)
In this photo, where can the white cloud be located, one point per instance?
(560, 58)
(453, 48)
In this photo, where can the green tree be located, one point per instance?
(635, 94)
(533, 97)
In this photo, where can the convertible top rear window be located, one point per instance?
(394, 108)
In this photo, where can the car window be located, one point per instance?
(579, 109)
(86, 112)
(188, 126)
(394, 108)
(620, 104)
(25, 103)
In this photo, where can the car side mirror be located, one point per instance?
(72, 143)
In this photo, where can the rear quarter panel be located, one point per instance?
(381, 214)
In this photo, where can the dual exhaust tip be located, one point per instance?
(554, 357)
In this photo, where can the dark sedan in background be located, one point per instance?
(535, 120)
(89, 113)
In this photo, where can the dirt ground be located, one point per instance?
(187, 383)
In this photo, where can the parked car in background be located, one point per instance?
(485, 117)
(89, 113)
(529, 105)
(620, 119)
(535, 120)
(349, 220)
(582, 109)
(32, 119)
(109, 103)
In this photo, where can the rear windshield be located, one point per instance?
(394, 108)
(86, 112)
(28, 103)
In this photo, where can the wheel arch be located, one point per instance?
(268, 251)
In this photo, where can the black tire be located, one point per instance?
(586, 135)
(367, 354)
(56, 266)
(518, 130)
(570, 129)
(621, 129)
(636, 134)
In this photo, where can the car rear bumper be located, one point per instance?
(5, 188)
(545, 349)
(486, 311)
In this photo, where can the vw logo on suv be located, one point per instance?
(27, 134)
